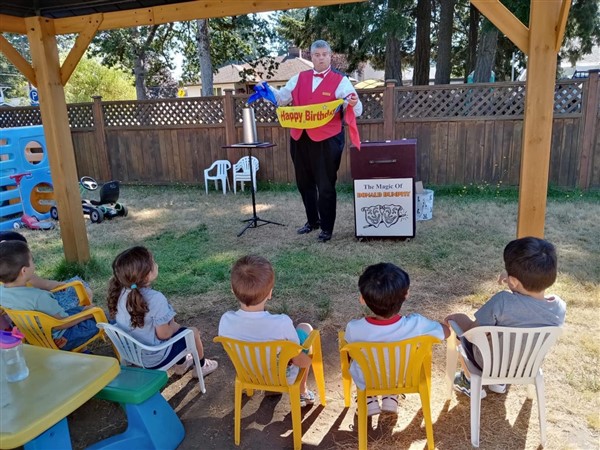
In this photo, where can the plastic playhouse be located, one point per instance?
(23, 151)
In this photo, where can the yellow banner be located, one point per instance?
(309, 116)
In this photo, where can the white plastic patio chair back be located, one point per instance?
(129, 350)
(220, 166)
(241, 172)
(510, 356)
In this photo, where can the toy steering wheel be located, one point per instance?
(89, 183)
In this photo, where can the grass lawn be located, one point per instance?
(453, 262)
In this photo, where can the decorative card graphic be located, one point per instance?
(384, 207)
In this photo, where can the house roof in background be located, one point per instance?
(369, 84)
(288, 67)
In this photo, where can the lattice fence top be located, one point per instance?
(419, 102)
(567, 97)
(81, 115)
(20, 117)
(477, 100)
(264, 111)
(189, 111)
(372, 101)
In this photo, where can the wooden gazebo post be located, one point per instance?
(541, 43)
(53, 108)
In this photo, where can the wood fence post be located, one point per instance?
(389, 110)
(100, 133)
(229, 112)
(591, 96)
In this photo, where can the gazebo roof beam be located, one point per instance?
(178, 12)
(10, 24)
(17, 59)
(81, 44)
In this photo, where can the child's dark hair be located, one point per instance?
(11, 236)
(384, 288)
(532, 261)
(130, 271)
(252, 278)
(14, 255)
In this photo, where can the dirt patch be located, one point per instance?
(507, 421)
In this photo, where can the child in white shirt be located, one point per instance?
(252, 281)
(383, 288)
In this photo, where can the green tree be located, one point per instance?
(380, 31)
(92, 78)
(145, 51)
(13, 83)
(228, 40)
(583, 30)
(581, 33)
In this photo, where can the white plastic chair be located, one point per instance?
(130, 349)
(510, 356)
(241, 172)
(222, 166)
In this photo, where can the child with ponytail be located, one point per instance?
(146, 314)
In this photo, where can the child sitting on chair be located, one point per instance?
(384, 288)
(147, 315)
(530, 268)
(252, 281)
(66, 298)
(16, 272)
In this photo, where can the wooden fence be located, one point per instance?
(468, 133)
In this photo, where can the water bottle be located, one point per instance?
(11, 352)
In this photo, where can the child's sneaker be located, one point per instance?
(462, 384)
(373, 406)
(180, 369)
(210, 365)
(497, 388)
(307, 398)
(389, 404)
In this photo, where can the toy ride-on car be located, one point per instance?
(98, 210)
(32, 223)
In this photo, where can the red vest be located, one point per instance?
(302, 95)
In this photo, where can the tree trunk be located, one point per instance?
(393, 59)
(443, 66)
(486, 54)
(474, 16)
(423, 43)
(393, 50)
(139, 73)
(139, 65)
(206, 68)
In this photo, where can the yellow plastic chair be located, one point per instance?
(82, 294)
(37, 326)
(262, 366)
(389, 368)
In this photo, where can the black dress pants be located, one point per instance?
(316, 165)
